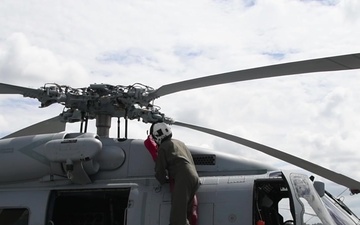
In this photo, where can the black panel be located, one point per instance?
(204, 159)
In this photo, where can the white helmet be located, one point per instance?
(160, 131)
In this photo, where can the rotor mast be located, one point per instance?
(103, 124)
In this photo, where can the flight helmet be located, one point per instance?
(160, 131)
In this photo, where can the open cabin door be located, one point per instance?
(90, 206)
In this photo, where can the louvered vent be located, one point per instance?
(205, 159)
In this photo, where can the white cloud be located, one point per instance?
(26, 64)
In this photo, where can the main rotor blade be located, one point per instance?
(343, 62)
(53, 125)
(321, 171)
(12, 89)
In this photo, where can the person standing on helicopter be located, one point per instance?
(174, 161)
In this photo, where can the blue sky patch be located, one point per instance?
(127, 57)
(249, 3)
(275, 55)
(246, 3)
(187, 53)
(323, 2)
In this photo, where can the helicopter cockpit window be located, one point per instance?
(314, 211)
(341, 215)
(14, 216)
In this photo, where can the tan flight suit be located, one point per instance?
(175, 161)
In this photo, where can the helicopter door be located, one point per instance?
(165, 213)
(23, 207)
(91, 206)
(270, 196)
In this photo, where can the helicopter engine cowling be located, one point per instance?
(45, 157)
(82, 149)
(76, 156)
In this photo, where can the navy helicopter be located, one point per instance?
(49, 176)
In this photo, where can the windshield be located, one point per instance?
(341, 215)
(312, 210)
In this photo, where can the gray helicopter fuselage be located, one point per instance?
(75, 178)
(84, 158)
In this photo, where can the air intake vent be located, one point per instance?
(209, 160)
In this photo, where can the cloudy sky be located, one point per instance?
(78, 43)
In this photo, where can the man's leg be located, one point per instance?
(179, 201)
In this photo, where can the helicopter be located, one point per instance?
(50, 176)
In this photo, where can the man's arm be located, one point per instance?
(160, 167)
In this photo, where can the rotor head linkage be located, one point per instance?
(98, 101)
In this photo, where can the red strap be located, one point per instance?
(193, 217)
(151, 147)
